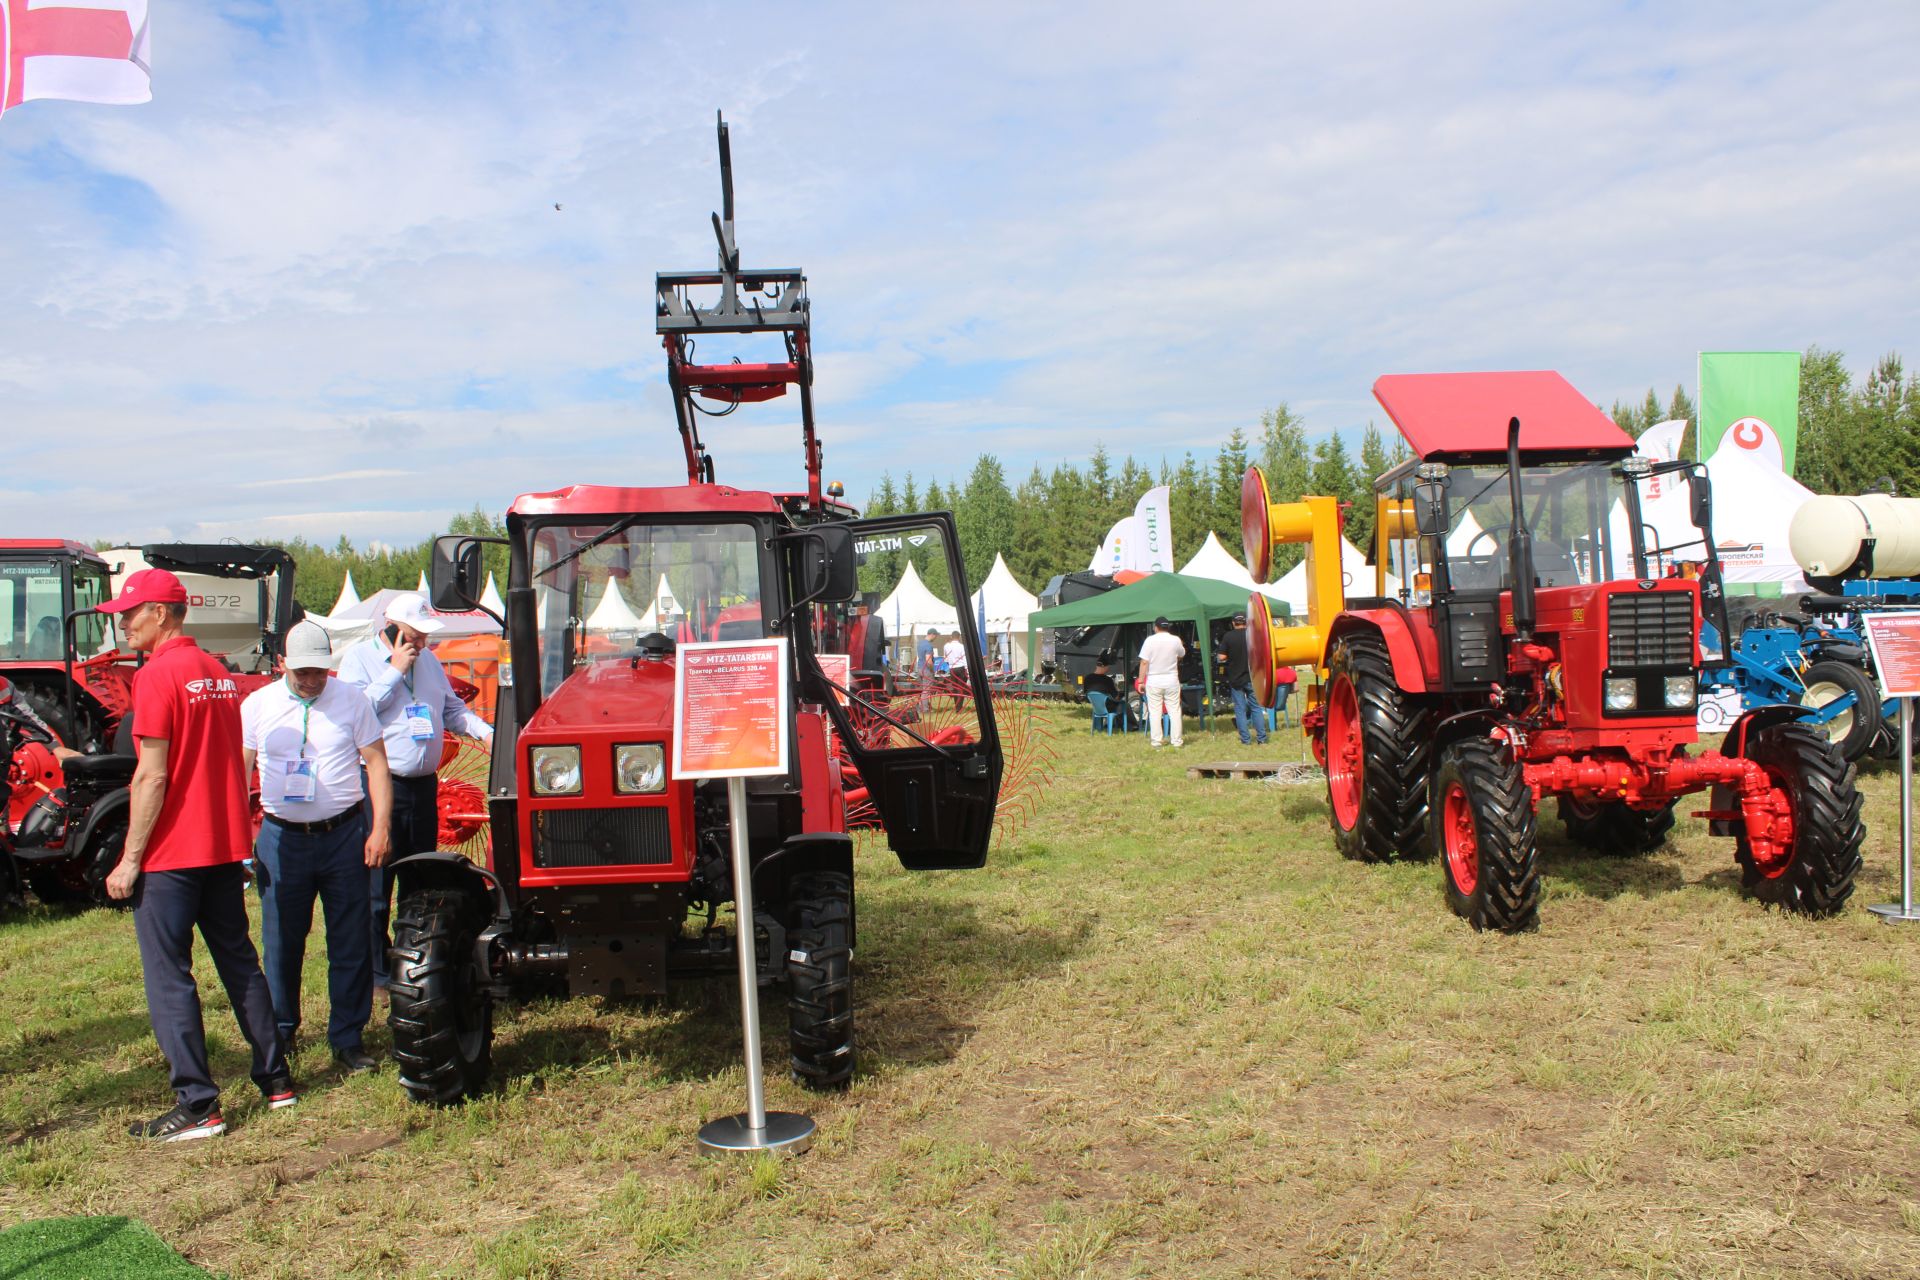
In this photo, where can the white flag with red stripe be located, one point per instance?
(81, 50)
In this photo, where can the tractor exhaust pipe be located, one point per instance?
(1519, 542)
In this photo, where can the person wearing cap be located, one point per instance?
(415, 704)
(187, 834)
(1232, 656)
(310, 737)
(1160, 657)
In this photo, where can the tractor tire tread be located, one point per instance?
(820, 999)
(432, 931)
(1398, 758)
(1617, 828)
(1508, 900)
(1827, 826)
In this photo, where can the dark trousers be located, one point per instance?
(291, 870)
(415, 829)
(167, 907)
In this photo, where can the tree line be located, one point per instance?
(1853, 439)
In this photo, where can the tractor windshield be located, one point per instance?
(1576, 512)
(30, 610)
(687, 581)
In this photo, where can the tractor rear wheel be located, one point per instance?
(1614, 827)
(1851, 731)
(1378, 756)
(1483, 825)
(1813, 788)
(440, 1006)
(820, 968)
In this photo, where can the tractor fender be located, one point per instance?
(114, 803)
(1415, 665)
(1735, 743)
(451, 870)
(798, 855)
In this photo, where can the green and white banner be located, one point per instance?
(1752, 400)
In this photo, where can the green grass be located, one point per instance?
(90, 1249)
(1167, 1032)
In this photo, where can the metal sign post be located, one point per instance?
(730, 722)
(1895, 641)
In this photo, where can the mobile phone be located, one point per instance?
(393, 633)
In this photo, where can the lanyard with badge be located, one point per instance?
(297, 779)
(418, 715)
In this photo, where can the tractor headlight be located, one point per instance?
(1622, 693)
(639, 768)
(1680, 691)
(556, 771)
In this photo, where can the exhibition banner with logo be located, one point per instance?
(1750, 400)
(730, 701)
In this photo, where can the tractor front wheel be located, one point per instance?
(1377, 756)
(820, 968)
(440, 1006)
(1483, 825)
(1851, 731)
(1811, 870)
(1614, 827)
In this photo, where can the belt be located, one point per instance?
(321, 825)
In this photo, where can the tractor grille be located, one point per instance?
(1650, 629)
(601, 837)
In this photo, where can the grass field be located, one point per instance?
(1168, 1032)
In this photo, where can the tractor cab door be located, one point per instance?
(918, 735)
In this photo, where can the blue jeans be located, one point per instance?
(1245, 709)
(415, 829)
(291, 870)
(167, 907)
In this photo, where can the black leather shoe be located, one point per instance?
(356, 1061)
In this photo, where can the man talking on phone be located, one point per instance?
(415, 704)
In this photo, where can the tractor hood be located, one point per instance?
(619, 693)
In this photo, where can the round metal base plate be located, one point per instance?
(1892, 911)
(785, 1132)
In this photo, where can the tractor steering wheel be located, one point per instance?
(1486, 531)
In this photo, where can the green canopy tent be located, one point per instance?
(1177, 597)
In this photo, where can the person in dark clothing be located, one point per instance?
(1232, 656)
(1101, 681)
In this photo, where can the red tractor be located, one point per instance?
(606, 874)
(1535, 649)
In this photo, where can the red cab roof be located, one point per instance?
(67, 545)
(1446, 415)
(613, 500)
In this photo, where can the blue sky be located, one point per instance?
(318, 285)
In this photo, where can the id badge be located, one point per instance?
(419, 722)
(297, 782)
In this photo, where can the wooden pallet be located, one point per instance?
(1247, 770)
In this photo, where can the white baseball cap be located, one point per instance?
(309, 648)
(410, 610)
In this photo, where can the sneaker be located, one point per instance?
(181, 1125)
(356, 1061)
(280, 1093)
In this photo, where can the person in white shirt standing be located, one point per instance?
(415, 704)
(957, 684)
(1160, 657)
(310, 737)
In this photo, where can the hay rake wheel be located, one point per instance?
(464, 827)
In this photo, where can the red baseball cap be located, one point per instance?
(145, 586)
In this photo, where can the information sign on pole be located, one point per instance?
(730, 721)
(1895, 641)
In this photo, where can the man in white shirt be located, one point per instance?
(1160, 657)
(310, 737)
(415, 704)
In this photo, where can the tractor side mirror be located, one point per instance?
(826, 568)
(1430, 508)
(455, 580)
(1700, 494)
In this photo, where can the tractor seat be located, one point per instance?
(102, 768)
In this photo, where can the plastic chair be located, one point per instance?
(1104, 713)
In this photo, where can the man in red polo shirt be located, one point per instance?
(188, 832)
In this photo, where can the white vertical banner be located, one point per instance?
(1153, 547)
(1113, 553)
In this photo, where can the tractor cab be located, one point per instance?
(41, 582)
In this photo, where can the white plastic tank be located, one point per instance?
(1830, 535)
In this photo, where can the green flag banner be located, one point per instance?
(1754, 396)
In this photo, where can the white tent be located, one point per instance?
(1004, 605)
(613, 615)
(490, 598)
(1214, 561)
(1356, 575)
(350, 626)
(912, 610)
(348, 596)
(425, 591)
(1753, 504)
(663, 605)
